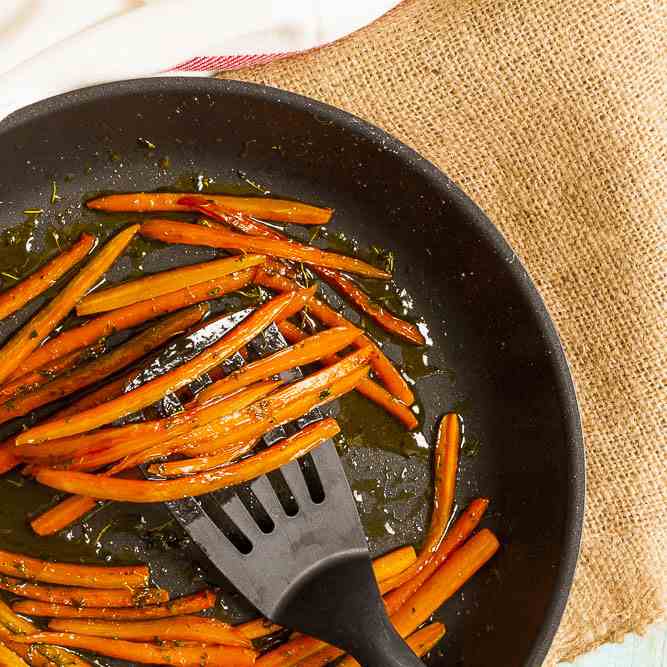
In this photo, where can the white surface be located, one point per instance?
(647, 651)
(51, 47)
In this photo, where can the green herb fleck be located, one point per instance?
(470, 447)
(33, 334)
(8, 275)
(33, 211)
(146, 143)
(315, 234)
(54, 192)
(325, 394)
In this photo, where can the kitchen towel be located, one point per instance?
(551, 116)
(50, 47)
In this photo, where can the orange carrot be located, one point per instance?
(269, 276)
(323, 656)
(130, 316)
(177, 628)
(145, 653)
(385, 318)
(160, 491)
(403, 585)
(169, 382)
(257, 628)
(368, 388)
(307, 351)
(105, 365)
(190, 604)
(10, 659)
(445, 581)
(38, 378)
(280, 210)
(46, 276)
(84, 597)
(22, 343)
(165, 282)
(63, 514)
(7, 458)
(170, 231)
(69, 574)
(36, 655)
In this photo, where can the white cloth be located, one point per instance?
(49, 47)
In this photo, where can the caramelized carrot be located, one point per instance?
(160, 491)
(280, 210)
(36, 658)
(445, 581)
(169, 382)
(130, 316)
(46, 276)
(63, 514)
(7, 458)
(22, 343)
(145, 653)
(257, 628)
(14, 625)
(368, 388)
(10, 659)
(323, 656)
(165, 282)
(269, 276)
(385, 318)
(307, 351)
(83, 597)
(38, 378)
(406, 583)
(190, 604)
(170, 231)
(105, 365)
(177, 628)
(69, 574)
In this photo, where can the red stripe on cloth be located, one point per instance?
(226, 63)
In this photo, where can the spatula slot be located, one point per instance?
(312, 477)
(256, 509)
(225, 525)
(283, 492)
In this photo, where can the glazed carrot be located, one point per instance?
(403, 585)
(178, 628)
(7, 458)
(172, 381)
(421, 642)
(12, 624)
(130, 316)
(84, 597)
(190, 604)
(30, 654)
(120, 357)
(170, 231)
(269, 276)
(445, 581)
(280, 210)
(22, 343)
(91, 576)
(160, 491)
(145, 653)
(304, 352)
(63, 514)
(10, 659)
(46, 276)
(257, 628)
(165, 282)
(368, 388)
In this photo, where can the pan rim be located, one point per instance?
(576, 488)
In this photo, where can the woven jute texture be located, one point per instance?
(551, 115)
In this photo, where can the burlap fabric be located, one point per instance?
(551, 115)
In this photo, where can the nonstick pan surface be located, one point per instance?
(495, 357)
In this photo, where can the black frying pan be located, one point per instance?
(496, 357)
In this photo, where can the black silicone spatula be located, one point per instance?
(293, 545)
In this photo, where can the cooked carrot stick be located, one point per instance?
(190, 604)
(84, 597)
(46, 276)
(269, 276)
(91, 576)
(159, 491)
(22, 343)
(257, 628)
(165, 282)
(385, 318)
(321, 657)
(280, 210)
(30, 654)
(170, 231)
(403, 585)
(130, 316)
(304, 352)
(445, 581)
(178, 628)
(38, 378)
(10, 659)
(421, 642)
(63, 514)
(145, 653)
(209, 458)
(169, 382)
(120, 357)
(7, 458)
(368, 388)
